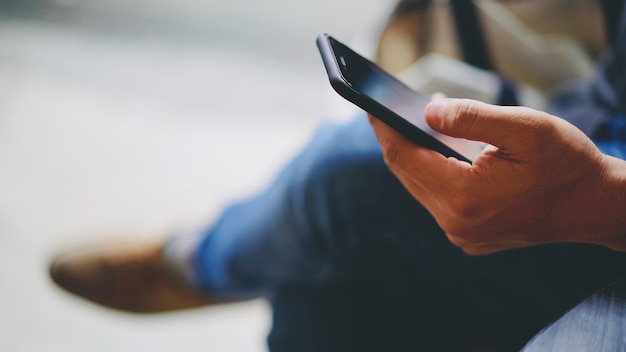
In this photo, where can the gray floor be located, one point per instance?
(132, 117)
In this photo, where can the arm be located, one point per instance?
(541, 180)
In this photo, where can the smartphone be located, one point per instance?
(368, 86)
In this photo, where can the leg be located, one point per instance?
(334, 213)
(494, 303)
(319, 221)
(337, 240)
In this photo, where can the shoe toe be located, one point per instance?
(132, 277)
(107, 276)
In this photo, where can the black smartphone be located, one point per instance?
(365, 84)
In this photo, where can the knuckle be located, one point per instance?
(467, 245)
(457, 233)
(476, 251)
(392, 154)
(463, 116)
(541, 132)
(467, 210)
(455, 240)
(465, 218)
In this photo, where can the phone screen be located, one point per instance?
(380, 86)
(373, 82)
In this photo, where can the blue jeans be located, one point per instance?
(351, 262)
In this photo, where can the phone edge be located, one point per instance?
(371, 106)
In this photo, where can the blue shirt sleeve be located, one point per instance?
(595, 106)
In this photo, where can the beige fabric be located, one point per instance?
(541, 43)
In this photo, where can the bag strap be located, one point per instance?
(471, 37)
(612, 10)
(474, 48)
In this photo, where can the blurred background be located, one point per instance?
(133, 117)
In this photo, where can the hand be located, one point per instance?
(541, 180)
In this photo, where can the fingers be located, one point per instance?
(486, 247)
(423, 166)
(502, 126)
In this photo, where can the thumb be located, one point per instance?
(497, 125)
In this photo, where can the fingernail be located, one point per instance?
(435, 110)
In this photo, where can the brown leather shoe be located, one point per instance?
(129, 276)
